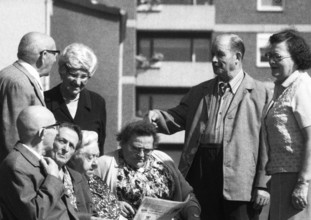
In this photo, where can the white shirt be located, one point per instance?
(32, 71)
(33, 152)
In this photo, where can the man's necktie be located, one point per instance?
(222, 88)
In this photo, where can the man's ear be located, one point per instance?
(239, 56)
(40, 60)
(41, 133)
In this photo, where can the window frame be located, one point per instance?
(191, 36)
(268, 8)
(143, 90)
(261, 39)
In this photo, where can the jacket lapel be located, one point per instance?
(83, 105)
(59, 103)
(247, 85)
(32, 80)
(30, 157)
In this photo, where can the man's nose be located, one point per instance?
(65, 148)
(214, 59)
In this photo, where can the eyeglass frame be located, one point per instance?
(137, 150)
(275, 58)
(68, 71)
(54, 52)
(52, 125)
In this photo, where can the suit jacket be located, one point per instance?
(83, 194)
(27, 193)
(18, 89)
(91, 111)
(244, 155)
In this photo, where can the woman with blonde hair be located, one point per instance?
(70, 101)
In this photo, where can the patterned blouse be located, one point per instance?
(153, 179)
(105, 203)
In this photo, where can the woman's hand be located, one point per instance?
(300, 195)
(126, 209)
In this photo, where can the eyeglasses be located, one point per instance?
(138, 150)
(55, 126)
(54, 52)
(275, 57)
(72, 73)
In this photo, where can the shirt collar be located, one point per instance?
(290, 79)
(236, 81)
(33, 152)
(33, 72)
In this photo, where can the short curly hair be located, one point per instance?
(78, 56)
(297, 47)
(137, 128)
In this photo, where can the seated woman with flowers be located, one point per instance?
(137, 170)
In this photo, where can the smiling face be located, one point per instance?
(137, 150)
(74, 81)
(64, 146)
(281, 63)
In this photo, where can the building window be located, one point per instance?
(148, 98)
(261, 49)
(175, 2)
(181, 47)
(270, 5)
(187, 2)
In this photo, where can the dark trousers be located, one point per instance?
(206, 178)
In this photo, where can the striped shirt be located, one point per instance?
(212, 124)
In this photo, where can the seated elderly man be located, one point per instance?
(85, 161)
(66, 142)
(29, 186)
(137, 170)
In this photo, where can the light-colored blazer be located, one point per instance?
(18, 89)
(244, 155)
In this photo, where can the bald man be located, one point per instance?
(30, 187)
(20, 84)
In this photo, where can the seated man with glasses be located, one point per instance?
(137, 170)
(30, 187)
(21, 86)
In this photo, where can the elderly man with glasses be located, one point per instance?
(20, 84)
(30, 187)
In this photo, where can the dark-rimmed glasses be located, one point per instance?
(54, 52)
(275, 57)
(75, 75)
(55, 126)
(138, 150)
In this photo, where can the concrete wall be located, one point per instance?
(245, 12)
(18, 17)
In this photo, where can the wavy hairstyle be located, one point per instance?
(137, 128)
(296, 45)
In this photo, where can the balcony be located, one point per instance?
(175, 74)
(178, 18)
